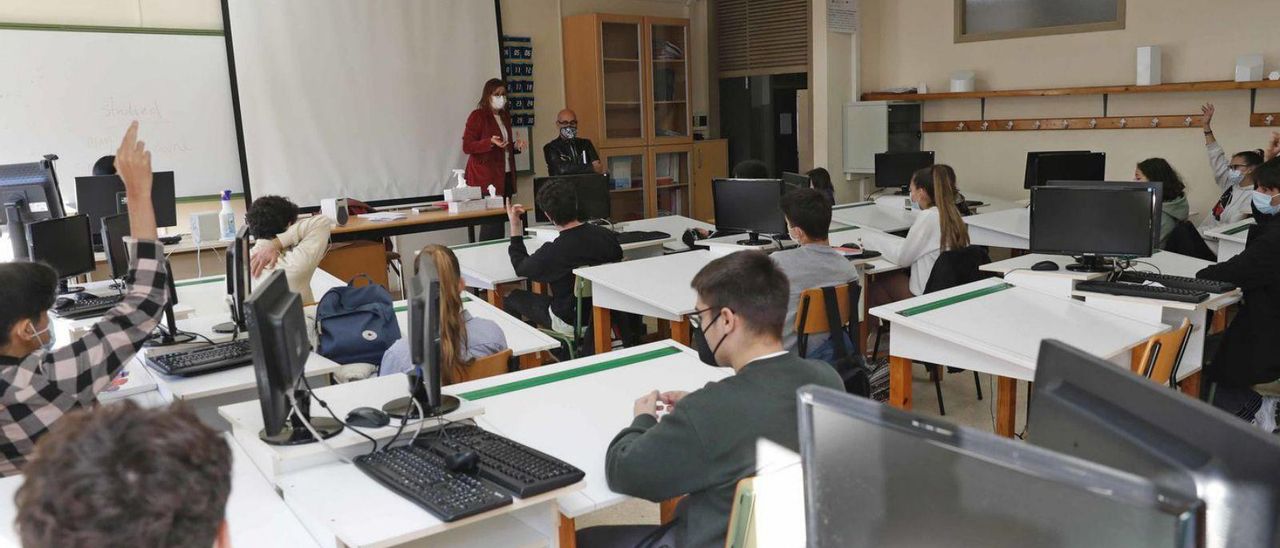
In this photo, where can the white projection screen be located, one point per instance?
(363, 99)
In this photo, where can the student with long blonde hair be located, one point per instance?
(937, 228)
(463, 337)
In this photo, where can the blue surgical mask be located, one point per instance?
(1262, 203)
(915, 205)
(1234, 176)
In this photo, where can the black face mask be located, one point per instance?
(705, 352)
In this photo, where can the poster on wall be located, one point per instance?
(842, 16)
(524, 160)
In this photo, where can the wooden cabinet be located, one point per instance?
(710, 161)
(668, 75)
(629, 182)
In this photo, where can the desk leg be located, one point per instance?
(1220, 319)
(471, 234)
(528, 361)
(568, 532)
(1191, 385)
(602, 328)
(1006, 406)
(667, 509)
(495, 297)
(680, 332)
(900, 382)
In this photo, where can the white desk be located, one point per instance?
(1230, 238)
(1008, 228)
(675, 225)
(657, 287)
(256, 517)
(66, 330)
(882, 217)
(996, 328)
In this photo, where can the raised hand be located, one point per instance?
(1206, 116)
(133, 163)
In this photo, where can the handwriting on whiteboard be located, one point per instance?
(142, 112)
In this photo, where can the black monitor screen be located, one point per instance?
(879, 476)
(593, 195)
(894, 169)
(103, 195)
(795, 180)
(1109, 219)
(749, 205)
(1065, 166)
(63, 244)
(35, 185)
(114, 230)
(278, 332)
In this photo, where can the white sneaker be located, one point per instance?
(1265, 418)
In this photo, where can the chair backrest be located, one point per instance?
(488, 366)
(958, 267)
(1185, 239)
(811, 311)
(1162, 353)
(741, 532)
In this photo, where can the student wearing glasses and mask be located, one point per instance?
(1233, 177)
(569, 154)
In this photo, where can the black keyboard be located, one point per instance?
(204, 359)
(636, 236)
(418, 474)
(1144, 291)
(520, 469)
(1178, 282)
(84, 308)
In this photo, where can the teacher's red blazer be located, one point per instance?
(484, 160)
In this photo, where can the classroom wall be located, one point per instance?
(831, 84)
(1200, 42)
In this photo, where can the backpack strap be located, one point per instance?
(369, 281)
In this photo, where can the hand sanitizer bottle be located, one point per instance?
(227, 218)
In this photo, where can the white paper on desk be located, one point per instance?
(383, 216)
(133, 379)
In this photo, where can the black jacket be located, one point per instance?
(569, 156)
(553, 263)
(1248, 354)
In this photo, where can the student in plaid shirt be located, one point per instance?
(38, 385)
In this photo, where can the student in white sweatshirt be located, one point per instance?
(937, 228)
(1233, 178)
(284, 242)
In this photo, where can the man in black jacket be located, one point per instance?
(569, 154)
(579, 244)
(1247, 354)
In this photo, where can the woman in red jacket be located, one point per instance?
(491, 148)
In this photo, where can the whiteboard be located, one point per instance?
(74, 93)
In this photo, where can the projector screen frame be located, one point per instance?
(239, 122)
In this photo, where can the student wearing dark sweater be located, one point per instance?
(579, 244)
(1247, 354)
(707, 442)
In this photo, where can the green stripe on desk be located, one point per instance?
(941, 303)
(567, 374)
(847, 206)
(200, 281)
(482, 244)
(1237, 229)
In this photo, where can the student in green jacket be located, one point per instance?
(707, 441)
(1174, 210)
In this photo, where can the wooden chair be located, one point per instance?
(812, 317)
(1162, 354)
(488, 366)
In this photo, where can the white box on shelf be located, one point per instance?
(962, 81)
(1249, 67)
(1149, 66)
(465, 206)
(461, 194)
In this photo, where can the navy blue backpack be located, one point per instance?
(356, 324)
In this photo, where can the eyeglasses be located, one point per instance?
(570, 123)
(695, 317)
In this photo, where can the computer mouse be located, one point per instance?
(462, 462)
(1045, 266)
(63, 302)
(368, 417)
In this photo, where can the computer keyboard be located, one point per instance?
(520, 469)
(636, 236)
(1177, 282)
(1144, 291)
(84, 308)
(418, 474)
(203, 359)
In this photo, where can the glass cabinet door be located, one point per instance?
(669, 69)
(623, 112)
(626, 183)
(671, 181)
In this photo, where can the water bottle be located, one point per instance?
(227, 218)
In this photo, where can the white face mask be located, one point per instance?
(498, 102)
(47, 344)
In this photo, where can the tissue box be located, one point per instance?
(1149, 66)
(466, 205)
(461, 194)
(494, 202)
(961, 81)
(1249, 68)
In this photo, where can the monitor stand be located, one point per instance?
(65, 289)
(754, 240)
(296, 432)
(13, 212)
(403, 407)
(233, 326)
(1091, 264)
(903, 191)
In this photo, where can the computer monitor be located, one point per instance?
(63, 243)
(879, 476)
(28, 192)
(1095, 221)
(749, 205)
(113, 230)
(102, 196)
(592, 190)
(278, 336)
(1089, 408)
(239, 282)
(795, 180)
(894, 169)
(1043, 167)
(424, 346)
(169, 334)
